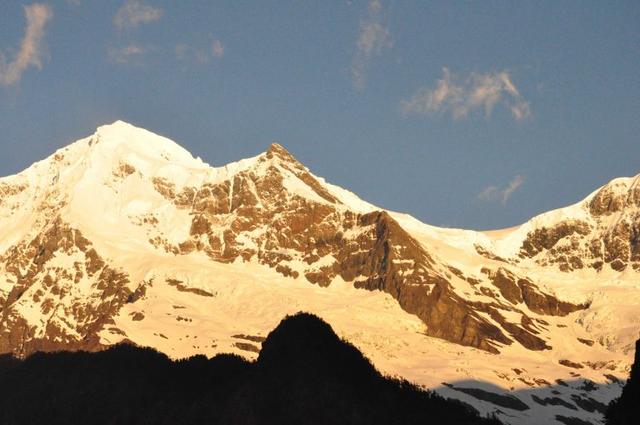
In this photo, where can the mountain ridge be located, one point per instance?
(124, 235)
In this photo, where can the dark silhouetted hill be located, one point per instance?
(625, 410)
(305, 374)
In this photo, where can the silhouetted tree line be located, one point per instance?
(304, 375)
(625, 410)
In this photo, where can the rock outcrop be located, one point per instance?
(61, 289)
(608, 234)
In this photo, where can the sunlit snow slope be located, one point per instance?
(124, 236)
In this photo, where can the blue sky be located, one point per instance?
(466, 114)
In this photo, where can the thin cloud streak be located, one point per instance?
(134, 13)
(127, 55)
(373, 38)
(30, 53)
(217, 50)
(462, 97)
(493, 193)
(186, 52)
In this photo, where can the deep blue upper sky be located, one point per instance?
(465, 114)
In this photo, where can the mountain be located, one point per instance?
(125, 237)
(304, 375)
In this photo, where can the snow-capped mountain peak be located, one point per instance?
(122, 138)
(600, 231)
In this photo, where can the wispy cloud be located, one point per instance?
(460, 97)
(493, 193)
(134, 13)
(30, 53)
(215, 50)
(127, 55)
(373, 38)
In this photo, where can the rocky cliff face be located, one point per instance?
(603, 231)
(62, 293)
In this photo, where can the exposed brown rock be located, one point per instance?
(574, 244)
(200, 225)
(523, 336)
(252, 338)
(608, 200)
(542, 303)
(569, 363)
(245, 346)
(299, 170)
(517, 290)
(289, 272)
(505, 281)
(546, 238)
(183, 288)
(9, 190)
(164, 187)
(124, 170)
(137, 316)
(488, 254)
(85, 318)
